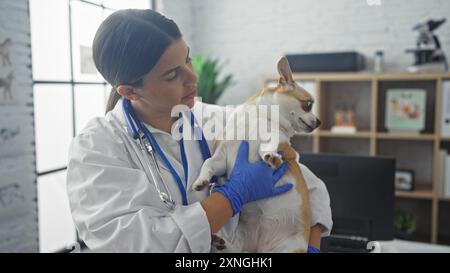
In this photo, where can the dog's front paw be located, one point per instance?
(218, 242)
(200, 184)
(273, 159)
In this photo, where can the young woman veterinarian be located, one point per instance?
(128, 179)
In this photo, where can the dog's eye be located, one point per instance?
(307, 105)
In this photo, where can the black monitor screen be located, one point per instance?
(361, 190)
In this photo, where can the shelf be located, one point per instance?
(360, 134)
(366, 76)
(411, 76)
(422, 192)
(368, 134)
(406, 136)
(307, 134)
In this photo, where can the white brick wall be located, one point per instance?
(182, 12)
(253, 34)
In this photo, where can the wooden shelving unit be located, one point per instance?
(424, 191)
(361, 134)
(402, 136)
(368, 94)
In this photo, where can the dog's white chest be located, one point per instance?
(271, 221)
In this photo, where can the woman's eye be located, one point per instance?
(172, 76)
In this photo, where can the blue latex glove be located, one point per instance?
(251, 181)
(312, 249)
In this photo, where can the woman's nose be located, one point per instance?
(191, 77)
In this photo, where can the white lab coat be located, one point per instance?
(117, 209)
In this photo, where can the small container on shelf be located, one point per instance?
(378, 61)
(344, 121)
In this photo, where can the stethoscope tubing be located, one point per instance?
(149, 146)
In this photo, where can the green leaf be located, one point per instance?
(209, 86)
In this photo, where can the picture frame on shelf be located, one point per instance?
(344, 121)
(405, 110)
(404, 180)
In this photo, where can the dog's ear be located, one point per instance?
(285, 71)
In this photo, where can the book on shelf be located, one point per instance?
(445, 113)
(443, 188)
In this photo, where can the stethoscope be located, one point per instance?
(149, 146)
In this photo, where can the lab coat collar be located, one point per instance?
(117, 112)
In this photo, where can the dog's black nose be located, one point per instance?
(318, 123)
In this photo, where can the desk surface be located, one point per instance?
(400, 246)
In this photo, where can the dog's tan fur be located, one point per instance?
(300, 96)
(290, 156)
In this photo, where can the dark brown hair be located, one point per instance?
(128, 44)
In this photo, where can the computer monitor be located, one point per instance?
(361, 190)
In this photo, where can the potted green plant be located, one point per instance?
(405, 225)
(209, 86)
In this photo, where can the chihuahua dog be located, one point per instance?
(281, 223)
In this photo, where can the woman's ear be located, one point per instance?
(128, 91)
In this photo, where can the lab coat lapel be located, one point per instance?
(191, 150)
(194, 160)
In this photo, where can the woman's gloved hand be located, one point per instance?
(251, 181)
(312, 249)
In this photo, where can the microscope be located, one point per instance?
(428, 55)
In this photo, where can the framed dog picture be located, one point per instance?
(405, 110)
(404, 180)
